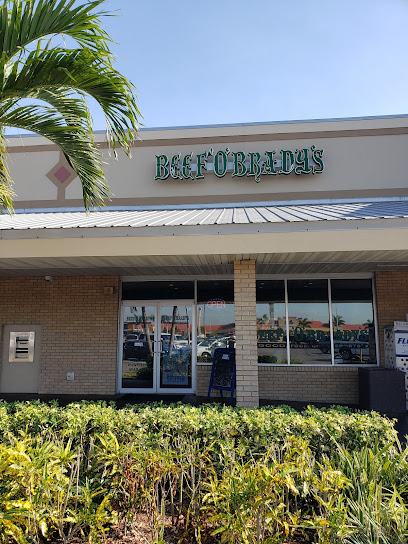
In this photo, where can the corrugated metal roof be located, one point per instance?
(209, 216)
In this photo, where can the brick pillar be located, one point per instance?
(392, 300)
(245, 331)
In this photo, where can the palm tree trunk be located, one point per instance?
(173, 326)
(147, 331)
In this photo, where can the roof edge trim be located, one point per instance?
(221, 205)
(250, 124)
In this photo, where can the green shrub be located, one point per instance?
(220, 474)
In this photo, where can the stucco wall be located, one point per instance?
(357, 157)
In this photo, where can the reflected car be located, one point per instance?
(136, 346)
(349, 351)
(178, 340)
(206, 348)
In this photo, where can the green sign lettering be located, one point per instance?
(317, 158)
(220, 163)
(302, 161)
(162, 167)
(186, 168)
(175, 172)
(254, 167)
(200, 164)
(269, 164)
(288, 161)
(240, 164)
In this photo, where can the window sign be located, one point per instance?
(216, 303)
(401, 343)
(308, 160)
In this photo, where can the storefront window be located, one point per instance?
(271, 321)
(309, 328)
(353, 321)
(215, 317)
(308, 323)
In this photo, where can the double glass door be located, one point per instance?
(158, 340)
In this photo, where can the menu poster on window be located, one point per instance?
(401, 343)
(175, 371)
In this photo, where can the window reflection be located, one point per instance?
(353, 321)
(138, 347)
(175, 346)
(309, 328)
(215, 318)
(309, 322)
(271, 322)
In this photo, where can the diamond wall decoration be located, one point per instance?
(61, 175)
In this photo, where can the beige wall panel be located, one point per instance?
(357, 240)
(350, 164)
(353, 162)
(28, 170)
(74, 190)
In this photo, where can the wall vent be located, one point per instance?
(21, 348)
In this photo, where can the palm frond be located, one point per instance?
(23, 22)
(74, 140)
(72, 107)
(32, 67)
(6, 192)
(82, 71)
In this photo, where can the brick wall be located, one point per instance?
(245, 332)
(203, 374)
(337, 385)
(78, 329)
(392, 300)
(310, 384)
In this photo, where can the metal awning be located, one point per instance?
(240, 215)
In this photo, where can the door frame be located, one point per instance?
(156, 389)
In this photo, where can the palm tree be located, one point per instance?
(303, 323)
(369, 323)
(35, 65)
(338, 321)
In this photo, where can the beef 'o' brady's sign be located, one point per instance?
(308, 160)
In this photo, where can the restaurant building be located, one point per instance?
(287, 241)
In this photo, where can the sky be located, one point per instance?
(237, 61)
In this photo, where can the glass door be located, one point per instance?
(138, 354)
(176, 332)
(159, 347)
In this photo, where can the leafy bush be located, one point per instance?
(217, 474)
